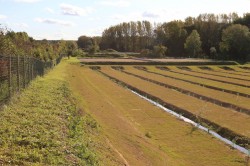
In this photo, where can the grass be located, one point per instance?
(222, 116)
(148, 134)
(218, 71)
(126, 119)
(44, 126)
(75, 116)
(202, 81)
(217, 78)
(229, 98)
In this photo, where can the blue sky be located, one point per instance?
(69, 19)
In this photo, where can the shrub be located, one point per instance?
(213, 52)
(78, 53)
(145, 52)
(110, 50)
(159, 51)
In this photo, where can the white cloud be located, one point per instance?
(72, 10)
(163, 15)
(115, 3)
(2, 16)
(55, 36)
(135, 16)
(50, 10)
(150, 14)
(54, 21)
(27, 1)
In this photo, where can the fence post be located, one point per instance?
(18, 73)
(9, 74)
(32, 68)
(29, 69)
(24, 73)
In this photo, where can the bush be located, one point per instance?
(145, 52)
(110, 50)
(78, 53)
(159, 51)
(93, 49)
(213, 52)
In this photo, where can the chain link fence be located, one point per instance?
(17, 72)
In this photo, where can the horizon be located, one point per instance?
(68, 20)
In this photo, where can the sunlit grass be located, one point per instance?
(44, 126)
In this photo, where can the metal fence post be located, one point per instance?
(9, 75)
(32, 68)
(29, 70)
(24, 73)
(18, 73)
(16, 68)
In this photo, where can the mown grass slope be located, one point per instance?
(44, 126)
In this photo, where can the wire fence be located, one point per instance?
(17, 72)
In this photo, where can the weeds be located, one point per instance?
(148, 134)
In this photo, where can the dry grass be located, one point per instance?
(229, 80)
(202, 81)
(222, 116)
(219, 95)
(217, 71)
(126, 118)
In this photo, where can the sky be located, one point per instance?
(69, 19)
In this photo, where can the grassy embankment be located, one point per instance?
(44, 126)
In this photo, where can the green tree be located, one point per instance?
(84, 42)
(245, 20)
(213, 52)
(236, 42)
(173, 36)
(6, 45)
(209, 28)
(131, 36)
(93, 48)
(193, 44)
(159, 51)
(70, 46)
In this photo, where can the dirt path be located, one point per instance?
(125, 119)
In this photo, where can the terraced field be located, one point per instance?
(225, 87)
(218, 97)
(143, 134)
(221, 116)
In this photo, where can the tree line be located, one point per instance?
(20, 44)
(224, 36)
